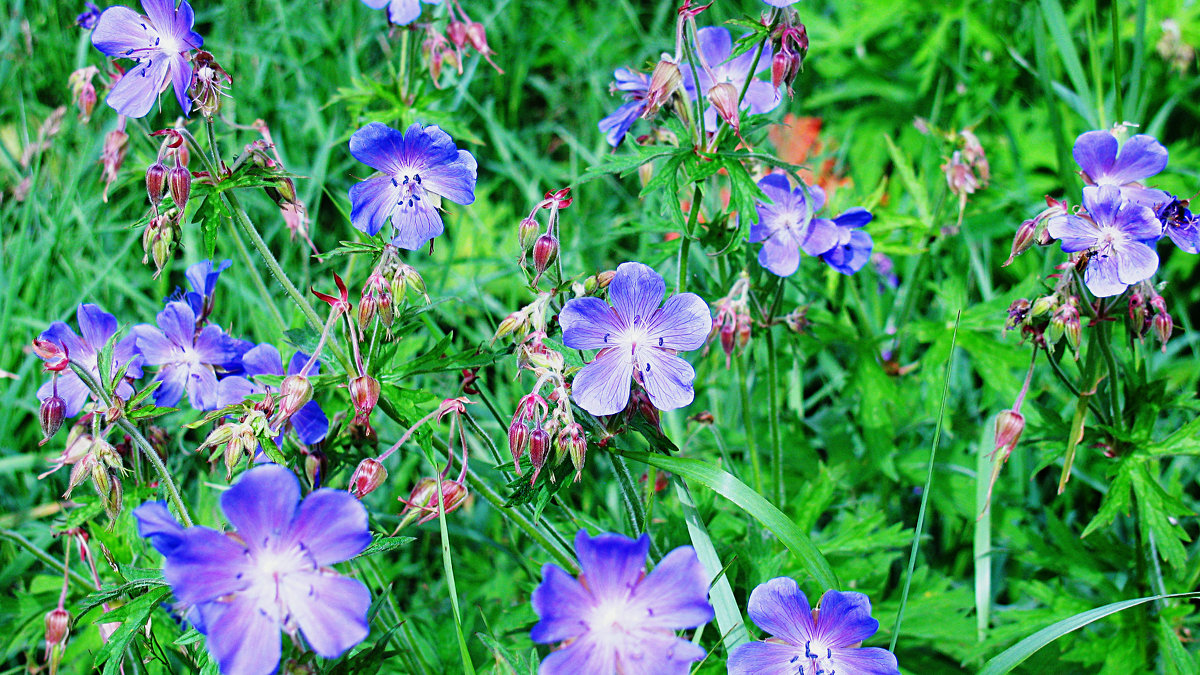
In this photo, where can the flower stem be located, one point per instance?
(448, 564)
(773, 418)
(685, 242)
(256, 277)
(20, 541)
(748, 422)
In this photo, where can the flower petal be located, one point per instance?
(588, 323)
(178, 323)
(330, 609)
(1102, 277)
(581, 656)
(213, 346)
(156, 523)
(675, 593)
(155, 347)
(416, 221)
(850, 258)
(332, 525)
(403, 12)
(666, 378)
(204, 564)
(136, 92)
(263, 359)
(378, 146)
(1095, 152)
(844, 619)
(95, 325)
(561, 603)
(181, 79)
(1141, 157)
(310, 422)
(821, 236)
(761, 97)
(262, 503)
(602, 387)
(119, 30)
(616, 125)
(865, 661)
(1135, 262)
(763, 658)
(1139, 222)
(715, 45)
(174, 379)
(235, 389)
(612, 563)
(242, 639)
(779, 607)
(683, 323)
(201, 387)
(371, 202)
(655, 653)
(1102, 204)
(448, 172)
(636, 291)
(780, 254)
(127, 354)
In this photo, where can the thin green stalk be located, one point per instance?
(1104, 335)
(773, 405)
(1116, 60)
(748, 422)
(685, 242)
(256, 276)
(519, 519)
(448, 564)
(629, 494)
(21, 542)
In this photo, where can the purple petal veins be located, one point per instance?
(95, 328)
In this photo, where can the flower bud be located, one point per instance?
(1042, 306)
(744, 324)
(1009, 425)
(179, 180)
(1018, 312)
(1137, 312)
(664, 81)
(518, 439)
(364, 393)
(1071, 328)
(576, 443)
(51, 414)
(1163, 326)
(387, 311)
(603, 279)
(116, 144)
(785, 66)
(369, 475)
(294, 392)
(282, 191)
(1025, 237)
(209, 81)
(314, 467)
(162, 247)
(366, 311)
(539, 449)
(527, 232)
(724, 97)
(728, 336)
(456, 31)
(156, 183)
(545, 251)
(516, 322)
(58, 627)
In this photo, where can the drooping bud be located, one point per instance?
(576, 443)
(282, 190)
(387, 311)
(1071, 328)
(1163, 326)
(728, 336)
(664, 81)
(179, 180)
(527, 232)
(156, 183)
(58, 627)
(545, 252)
(539, 449)
(1009, 425)
(456, 31)
(367, 306)
(51, 414)
(1043, 306)
(1137, 312)
(162, 246)
(744, 324)
(364, 393)
(518, 439)
(83, 91)
(517, 322)
(785, 66)
(314, 467)
(724, 98)
(116, 144)
(477, 37)
(369, 475)
(294, 392)
(604, 278)
(1025, 237)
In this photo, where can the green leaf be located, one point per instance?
(385, 544)
(141, 395)
(622, 164)
(1015, 655)
(751, 502)
(1116, 500)
(132, 615)
(149, 412)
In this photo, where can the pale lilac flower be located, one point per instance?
(715, 45)
(202, 277)
(400, 12)
(87, 19)
(1139, 158)
(805, 641)
(853, 247)
(1116, 233)
(189, 357)
(273, 573)
(158, 42)
(420, 165)
(95, 328)
(637, 340)
(786, 225)
(1180, 225)
(310, 422)
(634, 87)
(616, 618)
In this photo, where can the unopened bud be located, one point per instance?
(518, 439)
(1025, 237)
(369, 475)
(116, 144)
(744, 324)
(527, 232)
(364, 393)
(1042, 306)
(179, 180)
(156, 183)
(457, 32)
(728, 337)
(294, 392)
(516, 322)
(539, 449)
(785, 66)
(1163, 326)
(1071, 328)
(387, 312)
(1018, 312)
(545, 252)
(1009, 425)
(603, 279)
(724, 98)
(1137, 312)
(665, 79)
(576, 443)
(314, 467)
(366, 311)
(51, 415)
(58, 627)
(115, 497)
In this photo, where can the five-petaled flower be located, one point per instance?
(1114, 234)
(419, 165)
(617, 619)
(1139, 158)
(95, 328)
(637, 339)
(159, 43)
(310, 422)
(853, 247)
(715, 46)
(400, 12)
(189, 357)
(786, 225)
(634, 87)
(273, 573)
(808, 642)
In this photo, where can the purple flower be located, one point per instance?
(825, 641)
(1116, 233)
(780, 3)
(158, 43)
(853, 248)
(87, 20)
(715, 46)
(786, 225)
(885, 268)
(417, 164)
(615, 617)
(202, 277)
(95, 327)
(189, 357)
(1180, 225)
(634, 86)
(637, 339)
(400, 12)
(310, 421)
(273, 574)
(1139, 158)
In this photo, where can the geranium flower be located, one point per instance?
(95, 328)
(271, 574)
(189, 358)
(637, 340)
(1139, 158)
(158, 42)
(202, 277)
(617, 619)
(853, 247)
(400, 12)
(715, 46)
(310, 422)
(634, 87)
(806, 641)
(1116, 232)
(419, 165)
(786, 225)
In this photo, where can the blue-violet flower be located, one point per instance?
(1116, 232)
(634, 87)
(637, 339)
(617, 619)
(419, 165)
(400, 12)
(273, 573)
(310, 422)
(1139, 158)
(809, 642)
(189, 358)
(95, 328)
(853, 247)
(202, 277)
(715, 46)
(786, 225)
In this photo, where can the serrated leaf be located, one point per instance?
(1116, 500)
(140, 396)
(149, 412)
(133, 615)
(623, 164)
(304, 338)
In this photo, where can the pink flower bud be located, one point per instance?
(456, 31)
(58, 627)
(1163, 326)
(518, 439)
(51, 416)
(294, 392)
(724, 97)
(1025, 238)
(545, 251)
(366, 310)
(1009, 425)
(179, 180)
(369, 475)
(364, 393)
(1137, 311)
(116, 144)
(576, 443)
(54, 356)
(539, 449)
(664, 81)
(156, 183)
(527, 232)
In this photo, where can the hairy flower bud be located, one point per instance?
(573, 438)
(518, 440)
(664, 81)
(1009, 425)
(1043, 306)
(179, 180)
(294, 392)
(369, 475)
(364, 393)
(456, 31)
(156, 183)
(1137, 312)
(116, 144)
(367, 306)
(1018, 313)
(51, 414)
(545, 252)
(1025, 237)
(539, 449)
(1163, 326)
(527, 232)
(58, 627)
(724, 98)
